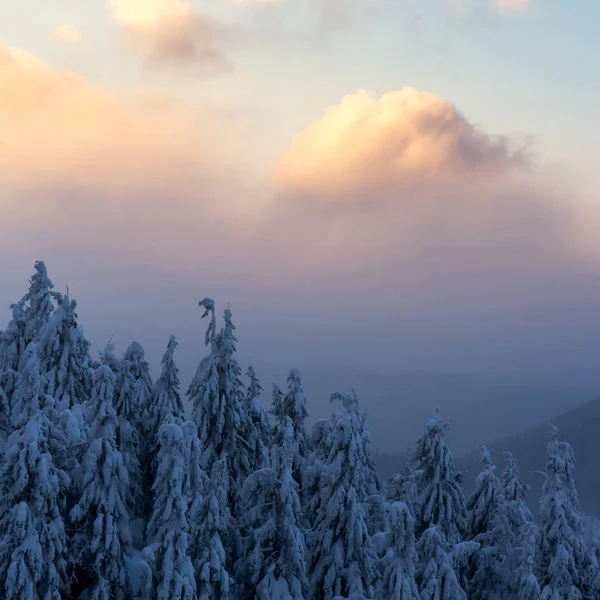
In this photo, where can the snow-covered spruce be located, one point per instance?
(108, 356)
(132, 392)
(33, 545)
(164, 406)
(194, 478)
(213, 533)
(29, 316)
(404, 488)
(12, 347)
(257, 430)
(562, 555)
(399, 576)
(39, 300)
(526, 586)
(436, 575)
(342, 557)
(65, 359)
(168, 529)
(103, 540)
(273, 564)
(441, 500)
(217, 397)
(481, 504)
(294, 407)
(165, 398)
(500, 556)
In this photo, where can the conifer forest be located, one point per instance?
(111, 489)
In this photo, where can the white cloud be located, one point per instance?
(67, 33)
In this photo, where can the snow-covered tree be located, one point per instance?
(294, 407)
(165, 398)
(512, 487)
(399, 576)
(342, 556)
(321, 444)
(12, 347)
(218, 409)
(64, 352)
(562, 555)
(194, 478)
(33, 545)
(39, 300)
(213, 533)
(104, 538)
(481, 505)
(5, 426)
(134, 384)
(132, 392)
(258, 430)
(168, 528)
(404, 488)
(437, 575)
(526, 585)
(108, 356)
(441, 500)
(273, 562)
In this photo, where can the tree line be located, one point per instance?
(109, 492)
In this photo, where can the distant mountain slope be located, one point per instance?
(480, 410)
(580, 427)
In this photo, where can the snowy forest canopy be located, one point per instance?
(108, 490)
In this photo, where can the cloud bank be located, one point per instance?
(403, 139)
(394, 222)
(171, 32)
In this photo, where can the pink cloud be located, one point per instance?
(171, 32)
(405, 138)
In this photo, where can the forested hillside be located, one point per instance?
(109, 490)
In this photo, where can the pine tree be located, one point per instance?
(29, 316)
(437, 575)
(64, 352)
(195, 479)
(33, 546)
(218, 410)
(168, 527)
(213, 533)
(399, 576)
(12, 347)
(441, 501)
(561, 558)
(512, 488)
(342, 556)
(133, 389)
(321, 444)
(165, 398)
(39, 300)
(273, 564)
(134, 384)
(294, 407)
(257, 431)
(526, 585)
(481, 505)
(107, 356)
(104, 540)
(404, 488)
(5, 426)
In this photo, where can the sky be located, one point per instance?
(393, 184)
